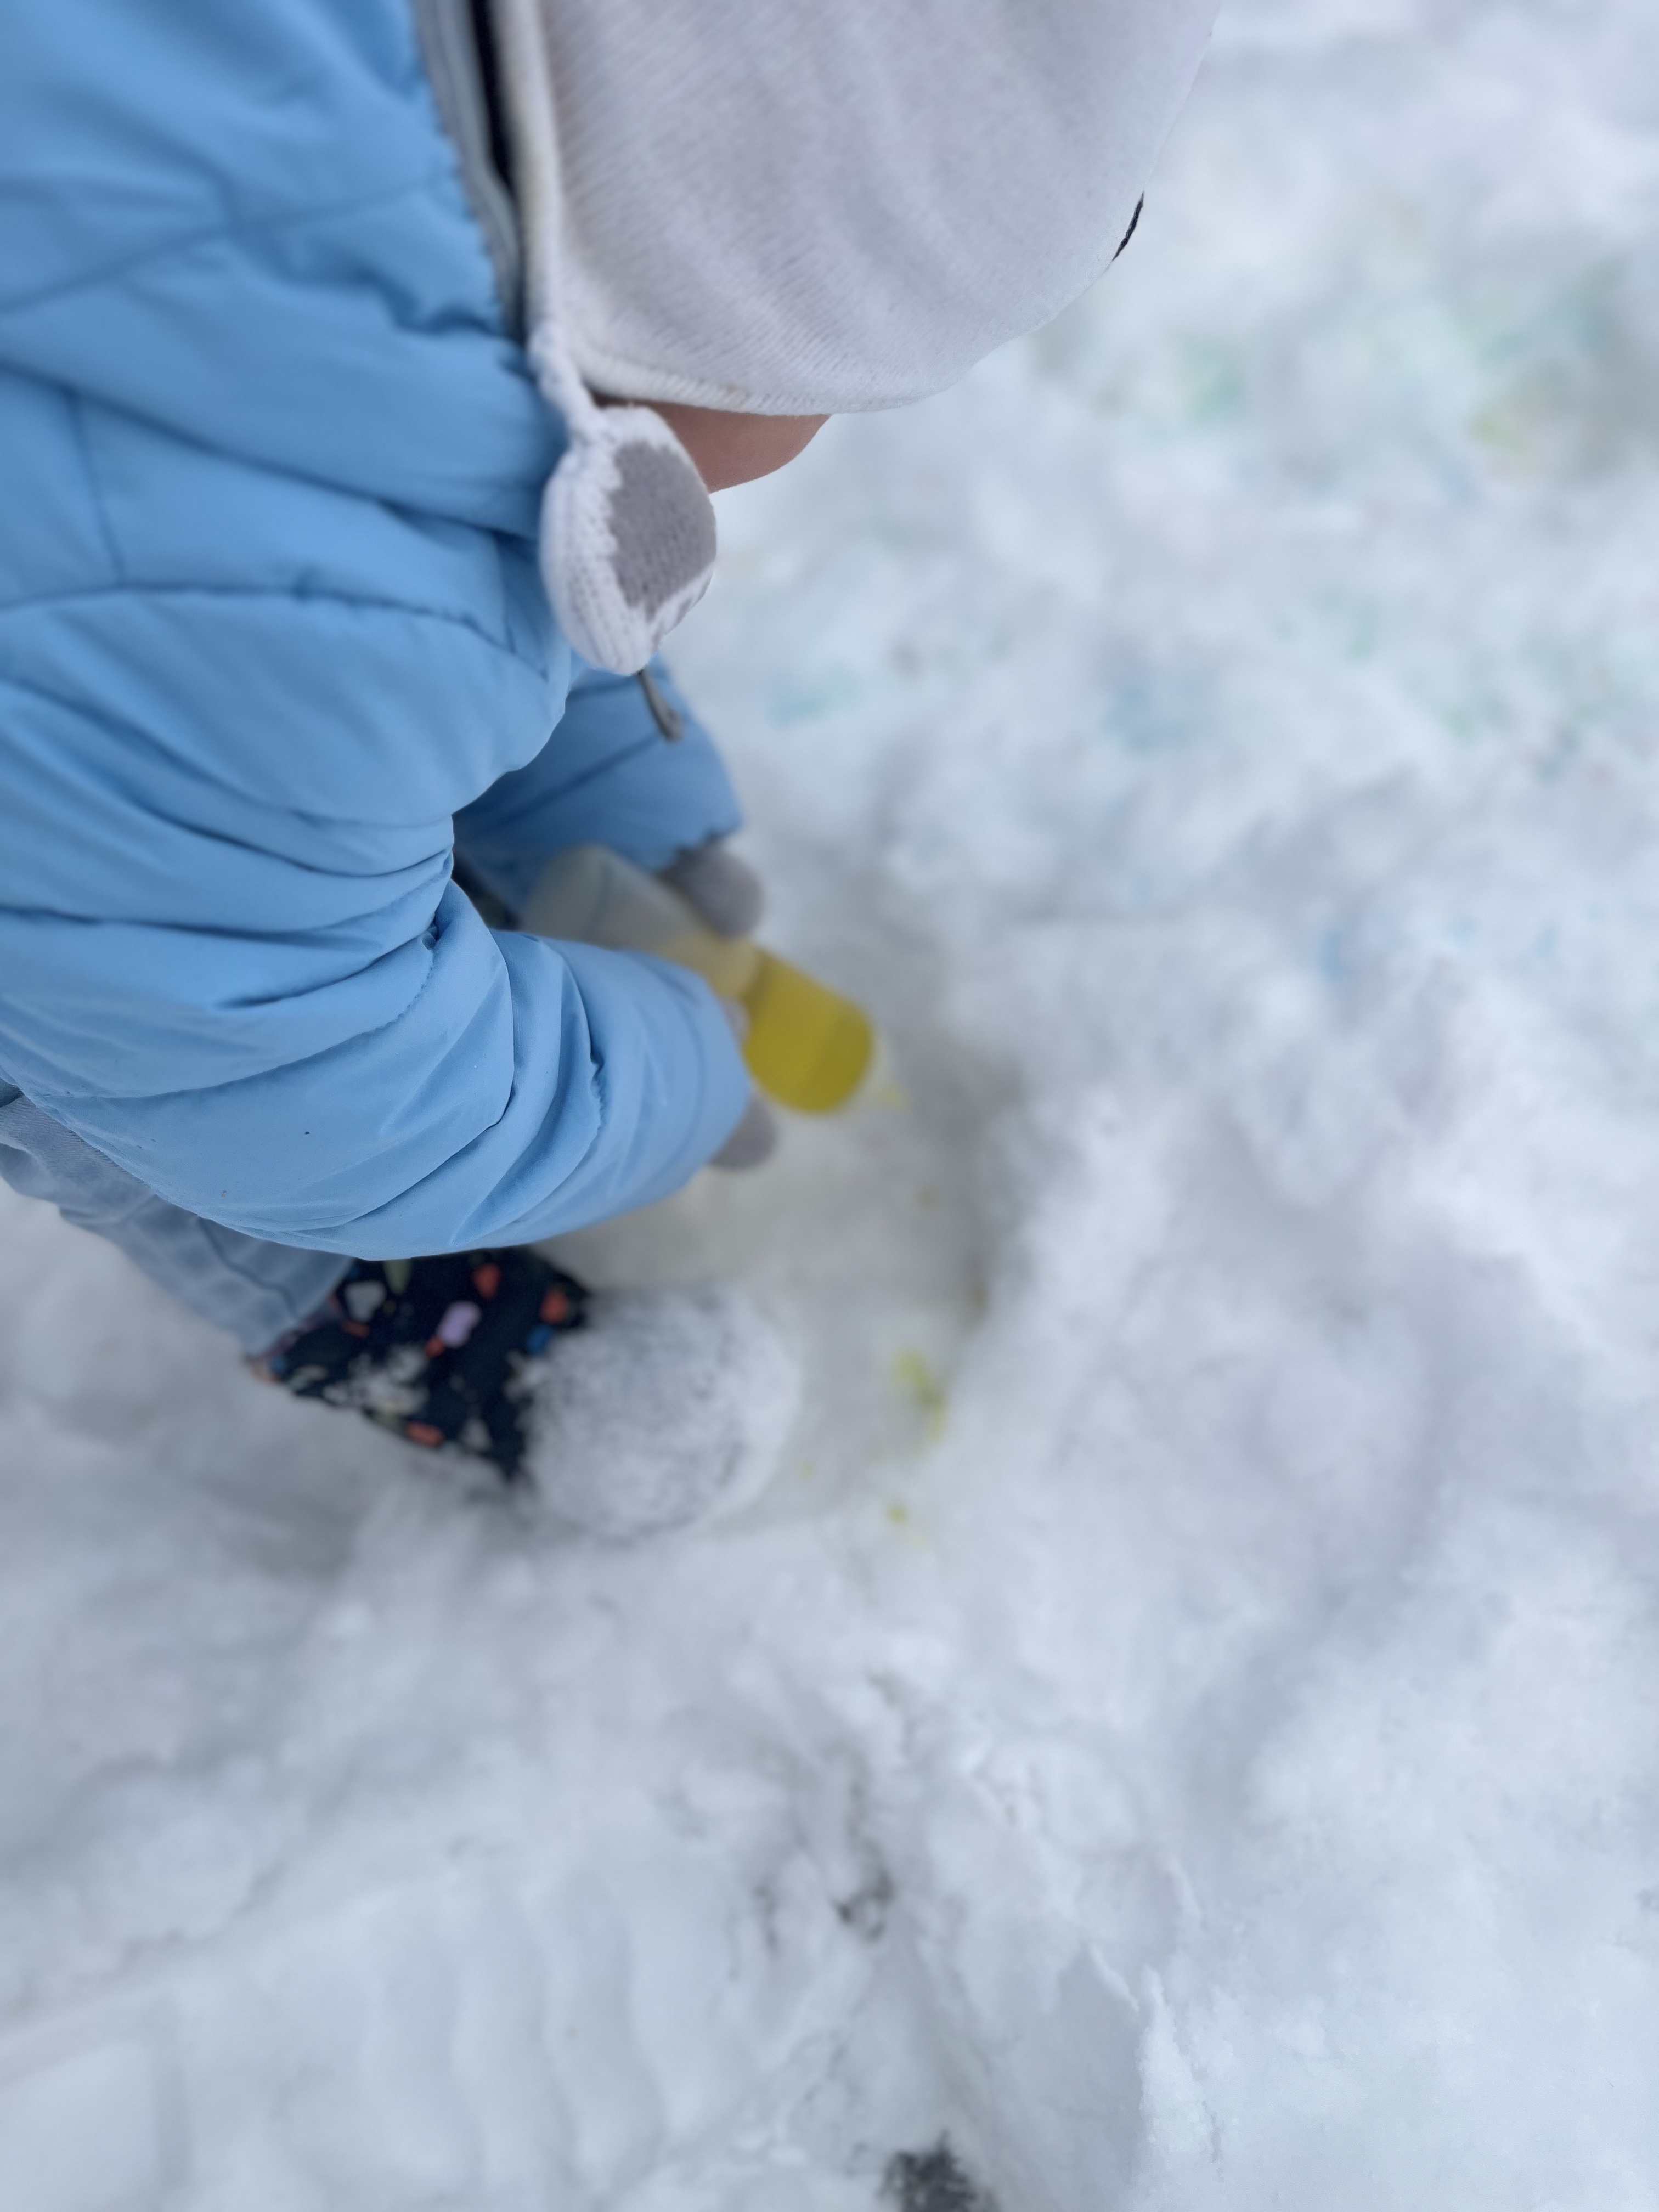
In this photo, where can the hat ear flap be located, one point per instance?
(628, 537)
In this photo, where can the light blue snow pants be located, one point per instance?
(254, 1290)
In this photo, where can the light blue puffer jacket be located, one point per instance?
(270, 622)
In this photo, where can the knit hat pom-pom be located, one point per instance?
(628, 537)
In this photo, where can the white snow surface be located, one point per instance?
(1184, 1723)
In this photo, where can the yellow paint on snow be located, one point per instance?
(913, 1375)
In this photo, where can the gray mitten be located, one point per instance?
(724, 890)
(726, 893)
(755, 1140)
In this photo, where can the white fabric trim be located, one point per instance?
(628, 534)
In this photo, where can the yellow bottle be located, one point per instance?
(807, 1047)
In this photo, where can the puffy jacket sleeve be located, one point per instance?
(609, 775)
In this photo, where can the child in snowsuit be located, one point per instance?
(328, 565)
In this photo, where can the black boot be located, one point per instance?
(437, 1350)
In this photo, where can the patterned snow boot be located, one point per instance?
(625, 1412)
(435, 1349)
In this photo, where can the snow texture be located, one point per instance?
(1179, 1732)
(671, 1406)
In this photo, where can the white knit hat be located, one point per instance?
(796, 207)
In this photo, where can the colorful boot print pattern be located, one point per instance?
(436, 1349)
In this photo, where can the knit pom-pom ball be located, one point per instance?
(628, 537)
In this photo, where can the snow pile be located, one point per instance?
(1180, 1732)
(671, 1405)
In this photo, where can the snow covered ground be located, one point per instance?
(1183, 1730)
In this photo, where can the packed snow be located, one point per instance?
(1179, 1730)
